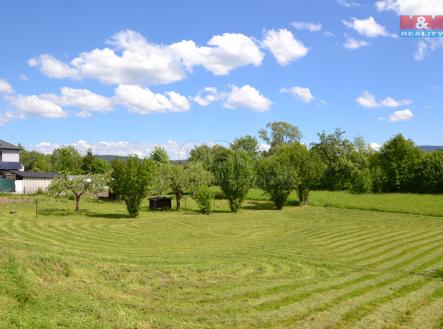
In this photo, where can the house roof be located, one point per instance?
(8, 146)
(10, 165)
(31, 174)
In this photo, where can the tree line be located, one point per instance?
(332, 163)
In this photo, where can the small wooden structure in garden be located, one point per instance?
(160, 203)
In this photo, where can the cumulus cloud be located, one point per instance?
(304, 94)
(207, 96)
(284, 46)
(312, 27)
(352, 44)
(131, 59)
(411, 7)
(247, 97)
(144, 101)
(5, 87)
(52, 67)
(367, 27)
(403, 115)
(366, 99)
(35, 105)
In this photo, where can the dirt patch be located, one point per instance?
(11, 200)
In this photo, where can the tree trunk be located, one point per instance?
(77, 203)
(178, 197)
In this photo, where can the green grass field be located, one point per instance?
(302, 267)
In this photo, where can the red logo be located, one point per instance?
(424, 22)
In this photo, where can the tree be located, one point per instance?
(341, 158)
(35, 161)
(203, 154)
(197, 176)
(178, 182)
(67, 160)
(93, 164)
(234, 172)
(78, 185)
(277, 176)
(159, 155)
(399, 158)
(280, 133)
(204, 198)
(131, 179)
(429, 173)
(248, 144)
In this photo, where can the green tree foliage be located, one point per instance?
(178, 182)
(398, 159)
(278, 176)
(280, 132)
(159, 155)
(341, 157)
(361, 181)
(67, 160)
(234, 172)
(206, 155)
(204, 198)
(132, 179)
(78, 185)
(429, 173)
(197, 176)
(94, 165)
(248, 144)
(35, 161)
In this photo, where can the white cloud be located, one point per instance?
(5, 87)
(227, 52)
(367, 27)
(206, 96)
(353, 44)
(366, 99)
(247, 97)
(284, 46)
(403, 115)
(35, 105)
(304, 94)
(52, 67)
(425, 46)
(144, 101)
(81, 99)
(411, 7)
(348, 3)
(312, 27)
(134, 60)
(375, 146)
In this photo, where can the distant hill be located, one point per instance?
(109, 158)
(430, 148)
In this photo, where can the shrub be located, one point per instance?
(361, 181)
(205, 199)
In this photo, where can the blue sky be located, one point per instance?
(122, 76)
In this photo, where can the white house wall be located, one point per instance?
(10, 156)
(33, 185)
(19, 186)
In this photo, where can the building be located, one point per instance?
(13, 178)
(9, 157)
(28, 182)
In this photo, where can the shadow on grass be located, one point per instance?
(267, 205)
(93, 214)
(56, 212)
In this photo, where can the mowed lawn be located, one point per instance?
(302, 267)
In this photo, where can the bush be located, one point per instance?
(361, 181)
(205, 199)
